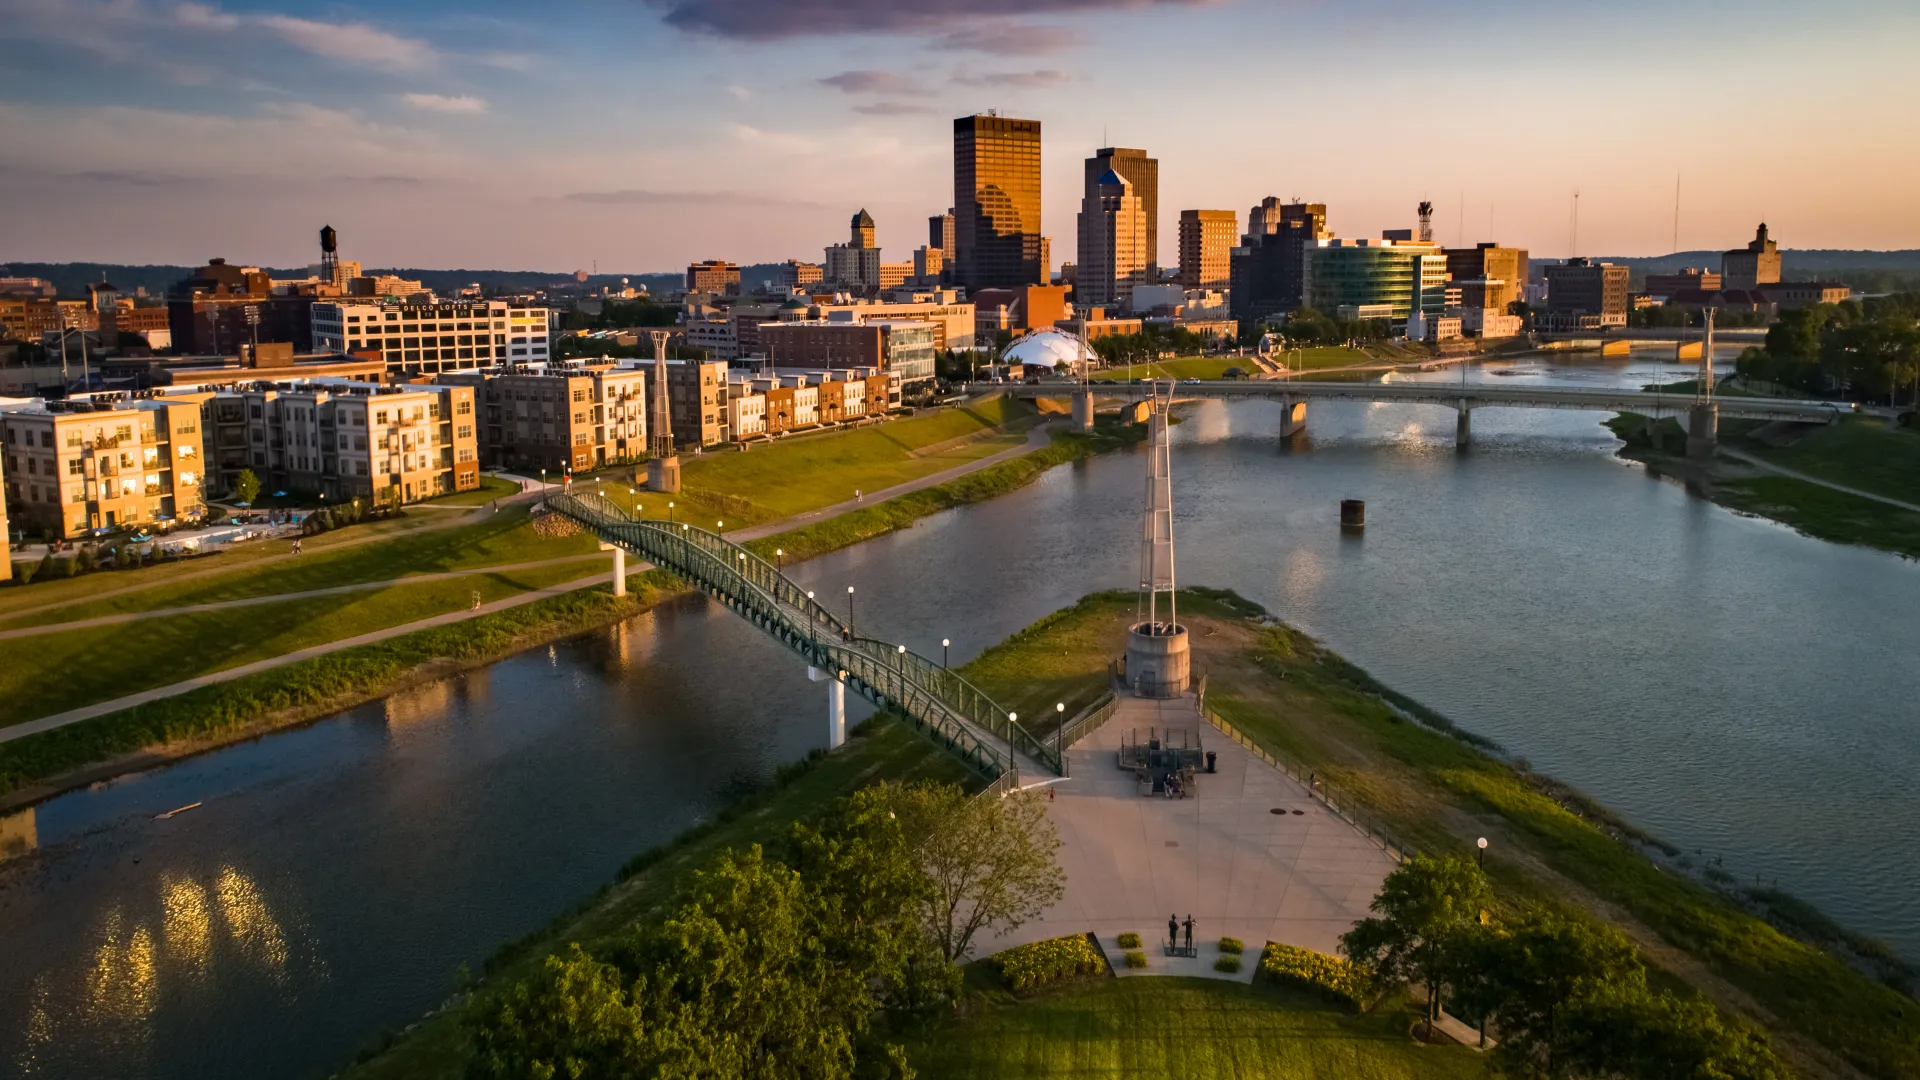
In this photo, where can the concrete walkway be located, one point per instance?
(74, 716)
(275, 598)
(1037, 439)
(1760, 463)
(1250, 856)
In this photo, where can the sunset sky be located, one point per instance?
(640, 134)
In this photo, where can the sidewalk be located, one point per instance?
(274, 598)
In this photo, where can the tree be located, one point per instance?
(576, 1019)
(1427, 907)
(246, 487)
(1536, 967)
(988, 862)
(1622, 1031)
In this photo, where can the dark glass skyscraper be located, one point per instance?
(996, 202)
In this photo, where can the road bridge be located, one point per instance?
(936, 700)
(1293, 395)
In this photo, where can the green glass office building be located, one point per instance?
(1351, 275)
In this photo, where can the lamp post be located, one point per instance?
(1483, 853)
(944, 643)
(849, 609)
(780, 559)
(1059, 729)
(670, 517)
(633, 501)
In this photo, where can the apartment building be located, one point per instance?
(102, 463)
(6, 538)
(559, 417)
(792, 404)
(715, 276)
(427, 339)
(352, 440)
(746, 410)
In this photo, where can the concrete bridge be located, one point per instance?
(1700, 418)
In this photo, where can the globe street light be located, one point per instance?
(670, 517)
(943, 651)
(780, 559)
(1059, 727)
(849, 609)
(1483, 853)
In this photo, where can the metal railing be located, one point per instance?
(1320, 789)
(1087, 721)
(948, 708)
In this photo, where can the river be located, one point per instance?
(1719, 680)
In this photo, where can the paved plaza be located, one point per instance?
(1302, 876)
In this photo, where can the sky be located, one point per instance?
(634, 136)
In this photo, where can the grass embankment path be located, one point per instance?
(157, 719)
(1412, 776)
(1854, 482)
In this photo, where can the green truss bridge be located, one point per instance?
(936, 700)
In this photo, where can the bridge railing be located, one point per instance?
(956, 712)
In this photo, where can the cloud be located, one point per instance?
(962, 20)
(871, 82)
(1008, 39)
(892, 108)
(465, 104)
(352, 43)
(205, 17)
(637, 197)
(1019, 80)
(740, 93)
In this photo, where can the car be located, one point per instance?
(1192, 380)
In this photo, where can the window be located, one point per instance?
(120, 431)
(579, 395)
(464, 408)
(433, 410)
(466, 431)
(380, 417)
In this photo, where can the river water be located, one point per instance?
(1721, 681)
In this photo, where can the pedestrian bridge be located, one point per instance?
(936, 700)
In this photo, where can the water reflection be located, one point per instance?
(19, 834)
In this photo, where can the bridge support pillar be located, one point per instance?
(836, 706)
(1463, 427)
(1703, 430)
(619, 571)
(1083, 410)
(1293, 417)
(663, 473)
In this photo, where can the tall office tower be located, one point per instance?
(1269, 269)
(1752, 266)
(862, 231)
(1113, 244)
(940, 233)
(996, 202)
(1206, 248)
(855, 265)
(1498, 275)
(1143, 173)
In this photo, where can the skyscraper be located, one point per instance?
(1113, 244)
(996, 202)
(1269, 268)
(1754, 265)
(940, 234)
(1206, 248)
(855, 265)
(1143, 173)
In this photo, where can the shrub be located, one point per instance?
(1027, 967)
(1330, 977)
(1232, 945)
(1136, 958)
(1129, 940)
(1227, 964)
(24, 572)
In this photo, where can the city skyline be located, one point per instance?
(159, 132)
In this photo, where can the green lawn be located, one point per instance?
(66, 669)
(491, 488)
(1192, 367)
(1824, 513)
(1172, 1029)
(882, 749)
(1860, 452)
(1061, 659)
(770, 481)
(502, 539)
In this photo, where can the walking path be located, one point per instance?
(88, 712)
(1741, 455)
(1251, 855)
(275, 598)
(1036, 439)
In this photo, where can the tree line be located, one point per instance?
(789, 963)
(1566, 998)
(1857, 348)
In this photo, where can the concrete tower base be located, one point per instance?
(663, 474)
(1159, 660)
(1703, 431)
(1083, 411)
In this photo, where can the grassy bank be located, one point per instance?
(1174, 1029)
(1858, 453)
(1436, 789)
(881, 749)
(311, 688)
(898, 513)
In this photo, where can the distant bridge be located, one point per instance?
(936, 700)
(1465, 397)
